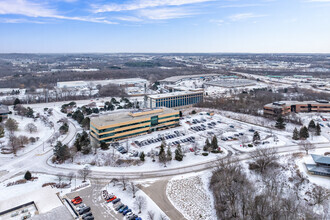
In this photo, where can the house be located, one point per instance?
(321, 166)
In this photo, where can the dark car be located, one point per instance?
(119, 207)
(84, 210)
(115, 201)
(89, 218)
(86, 215)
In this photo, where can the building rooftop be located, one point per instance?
(122, 117)
(319, 169)
(174, 79)
(232, 83)
(321, 159)
(288, 103)
(171, 94)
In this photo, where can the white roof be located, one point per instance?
(173, 94)
(45, 199)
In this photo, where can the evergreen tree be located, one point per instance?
(168, 154)
(256, 136)
(280, 123)
(64, 128)
(318, 130)
(85, 123)
(104, 146)
(61, 152)
(17, 101)
(295, 135)
(142, 156)
(162, 155)
(311, 125)
(28, 175)
(214, 143)
(178, 153)
(303, 133)
(207, 145)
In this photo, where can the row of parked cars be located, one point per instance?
(184, 140)
(83, 210)
(159, 139)
(120, 207)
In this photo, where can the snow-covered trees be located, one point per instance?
(295, 135)
(140, 203)
(303, 133)
(84, 173)
(11, 125)
(306, 146)
(61, 152)
(263, 158)
(178, 153)
(30, 127)
(280, 123)
(256, 137)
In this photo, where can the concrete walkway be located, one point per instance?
(157, 192)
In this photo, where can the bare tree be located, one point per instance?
(163, 217)
(140, 203)
(123, 181)
(14, 144)
(84, 173)
(133, 189)
(59, 178)
(70, 176)
(151, 215)
(11, 125)
(320, 194)
(31, 128)
(114, 181)
(306, 146)
(22, 140)
(263, 157)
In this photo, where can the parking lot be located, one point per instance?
(92, 197)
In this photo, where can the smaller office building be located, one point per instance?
(285, 107)
(4, 111)
(321, 166)
(123, 125)
(175, 99)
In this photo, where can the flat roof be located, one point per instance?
(321, 159)
(319, 169)
(4, 109)
(287, 103)
(177, 78)
(232, 83)
(121, 117)
(171, 94)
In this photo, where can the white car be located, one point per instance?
(128, 215)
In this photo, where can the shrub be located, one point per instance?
(27, 175)
(205, 154)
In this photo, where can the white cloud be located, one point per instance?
(244, 16)
(218, 21)
(143, 4)
(164, 13)
(35, 10)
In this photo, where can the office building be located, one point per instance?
(175, 99)
(285, 107)
(123, 125)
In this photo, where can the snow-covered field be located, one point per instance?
(191, 196)
(29, 186)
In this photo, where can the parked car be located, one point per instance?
(86, 214)
(119, 207)
(77, 201)
(84, 210)
(127, 211)
(89, 218)
(75, 198)
(123, 209)
(231, 126)
(111, 199)
(116, 201)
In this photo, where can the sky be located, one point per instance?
(165, 26)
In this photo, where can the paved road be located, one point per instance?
(157, 192)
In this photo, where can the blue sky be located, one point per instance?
(110, 26)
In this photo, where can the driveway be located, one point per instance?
(157, 192)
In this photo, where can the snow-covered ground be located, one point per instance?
(8, 192)
(190, 194)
